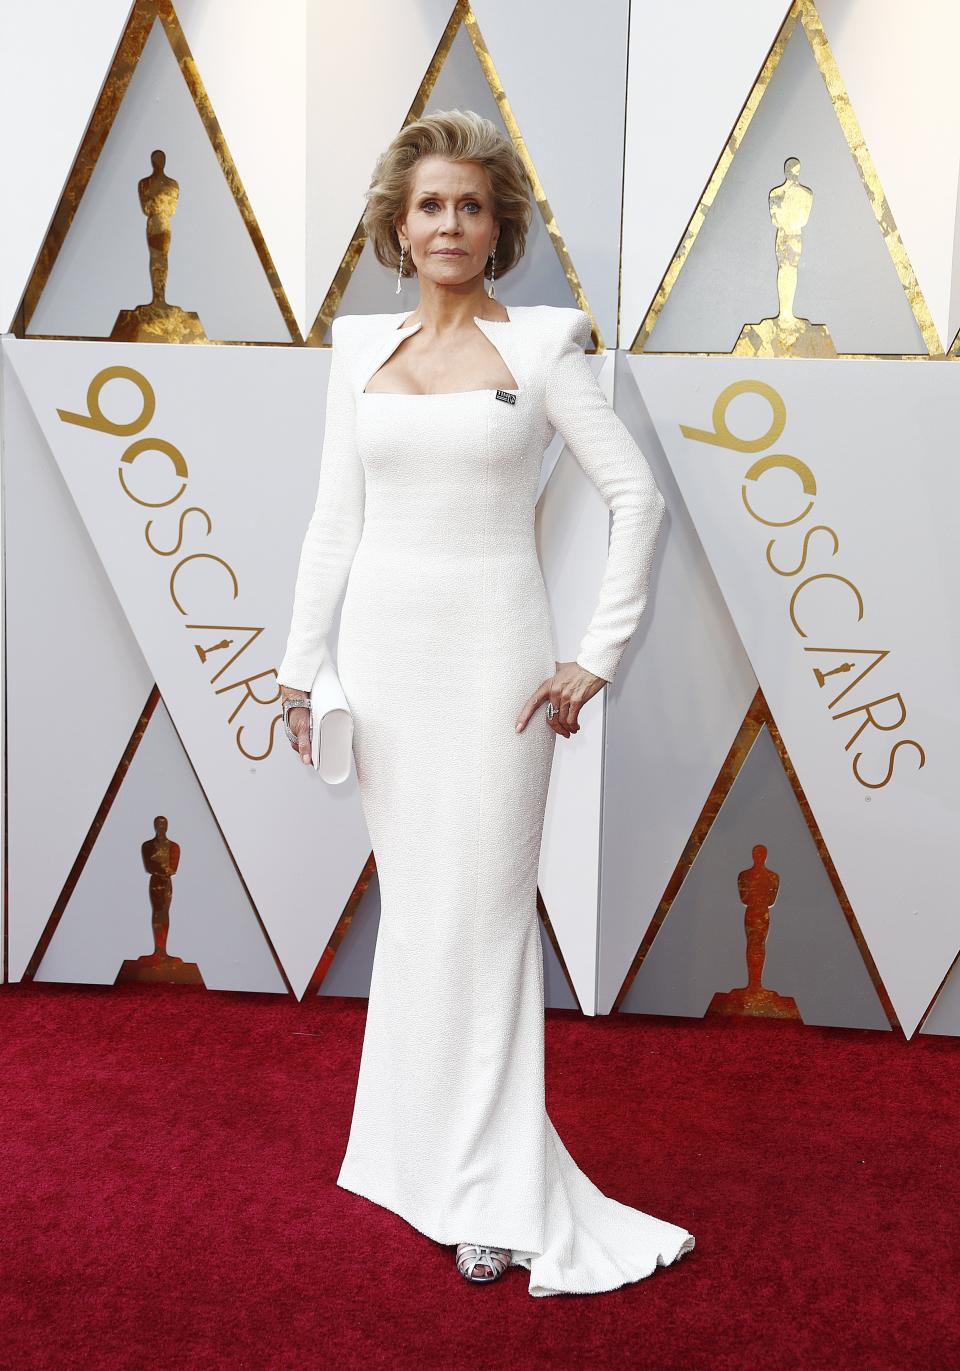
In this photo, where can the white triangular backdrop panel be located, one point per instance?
(860, 449)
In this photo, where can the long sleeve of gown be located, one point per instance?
(605, 449)
(334, 530)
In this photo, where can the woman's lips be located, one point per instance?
(449, 252)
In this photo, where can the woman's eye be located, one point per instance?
(427, 203)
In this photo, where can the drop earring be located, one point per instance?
(492, 257)
(399, 271)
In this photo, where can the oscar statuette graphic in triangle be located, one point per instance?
(116, 918)
(775, 938)
(794, 209)
(204, 247)
(757, 886)
(161, 857)
(784, 334)
(158, 321)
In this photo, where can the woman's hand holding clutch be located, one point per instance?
(299, 721)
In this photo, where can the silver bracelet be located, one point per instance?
(294, 702)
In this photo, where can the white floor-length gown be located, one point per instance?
(425, 516)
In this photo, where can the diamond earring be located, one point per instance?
(492, 258)
(399, 271)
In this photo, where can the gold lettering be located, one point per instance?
(794, 464)
(867, 710)
(878, 785)
(823, 576)
(721, 435)
(96, 419)
(168, 552)
(248, 693)
(196, 556)
(878, 654)
(259, 756)
(846, 663)
(155, 445)
(806, 545)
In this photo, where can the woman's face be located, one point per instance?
(450, 211)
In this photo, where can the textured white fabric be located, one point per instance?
(426, 510)
(560, 393)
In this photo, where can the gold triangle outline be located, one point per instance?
(804, 12)
(462, 14)
(91, 836)
(757, 717)
(343, 925)
(129, 50)
(555, 944)
(93, 833)
(936, 995)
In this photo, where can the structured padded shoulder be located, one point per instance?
(357, 335)
(345, 327)
(574, 328)
(367, 323)
(553, 329)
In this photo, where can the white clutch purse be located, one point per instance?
(331, 726)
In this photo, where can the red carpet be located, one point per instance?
(168, 1167)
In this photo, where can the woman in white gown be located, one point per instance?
(436, 424)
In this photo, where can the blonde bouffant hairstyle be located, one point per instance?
(459, 136)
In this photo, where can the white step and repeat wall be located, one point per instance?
(759, 816)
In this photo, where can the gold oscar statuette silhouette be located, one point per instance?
(822, 676)
(204, 652)
(758, 889)
(161, 857)
(158, 322)
(786, 335)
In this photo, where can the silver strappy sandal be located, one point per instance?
(470, 1255)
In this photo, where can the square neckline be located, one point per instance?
(435, 394)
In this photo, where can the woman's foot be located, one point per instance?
(482, 1264)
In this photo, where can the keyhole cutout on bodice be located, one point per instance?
(401, 371)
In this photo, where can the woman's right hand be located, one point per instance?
(299, 721)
